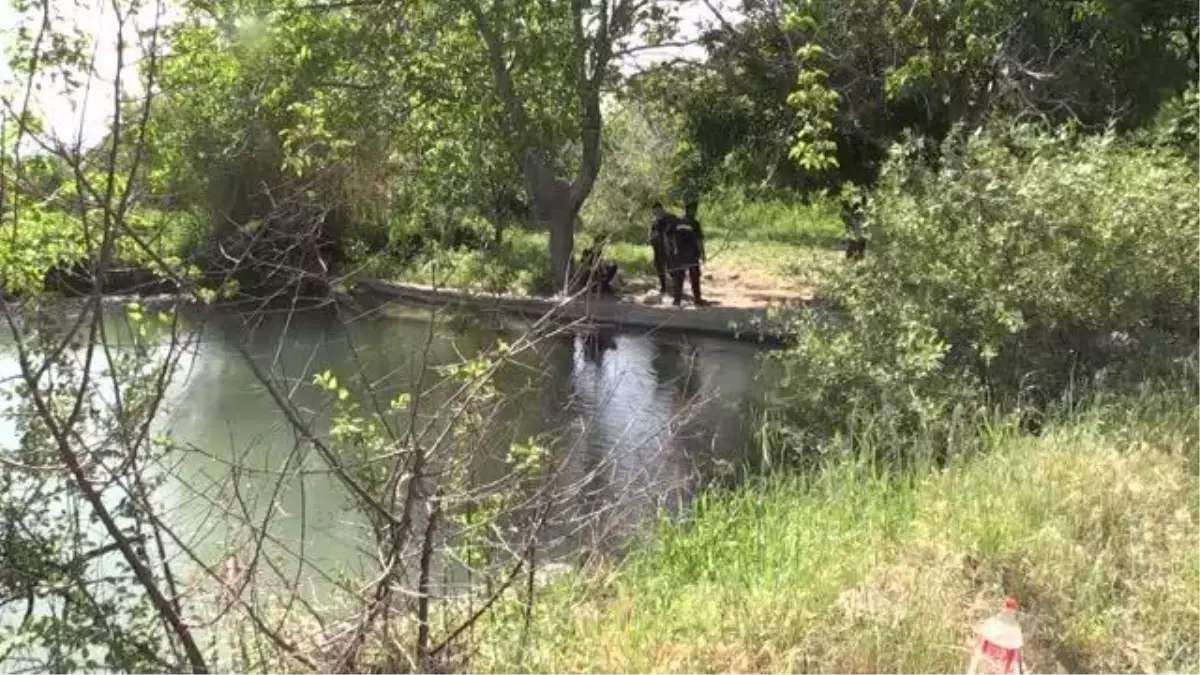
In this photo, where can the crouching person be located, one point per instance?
(596, 274)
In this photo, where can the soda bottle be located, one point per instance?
(998, 643)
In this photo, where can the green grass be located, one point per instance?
(765, 242)
(1093, 526)
(518, 266)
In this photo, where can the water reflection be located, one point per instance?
(659, 415)
(638, 421)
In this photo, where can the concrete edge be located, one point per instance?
(736, 323)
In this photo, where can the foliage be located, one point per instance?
(1092, 526)
(862, 72)
(39, 234)
(1177, 124)
(408, 121)
(814, 148)
(642, 151)
(509, 267)
(1023, 268)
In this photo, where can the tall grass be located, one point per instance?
(1092, 525)
(780, 240)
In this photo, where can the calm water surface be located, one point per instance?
(640, 421)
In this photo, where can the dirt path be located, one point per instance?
(728, 283)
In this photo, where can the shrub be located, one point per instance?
(1020, 268)
(1177, 123)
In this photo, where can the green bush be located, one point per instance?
(514, 266)
(1177, 124)
(1020, 269)
(771, 218)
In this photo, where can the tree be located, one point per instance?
(455, 103)
(899, 65)
(559, 54)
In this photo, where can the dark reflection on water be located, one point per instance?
(641, 420)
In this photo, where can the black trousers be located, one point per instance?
(660, 263)
(856, 247)
(693, 272)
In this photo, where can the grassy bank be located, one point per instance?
(768, 243)
(1093, 525)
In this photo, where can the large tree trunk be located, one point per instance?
(554, 209)
(562, 243)
(556, 202)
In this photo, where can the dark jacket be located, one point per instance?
(685, 242)
(660, 226)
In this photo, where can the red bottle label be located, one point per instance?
(1004, 655)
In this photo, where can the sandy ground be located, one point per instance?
(726, 284)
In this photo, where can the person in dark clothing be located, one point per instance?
(598, 272)
(663, 220)
(856, 243)
(686, 252)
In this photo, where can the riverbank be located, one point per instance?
(743, 323)
(1092, 525)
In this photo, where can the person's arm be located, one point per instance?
(700, 239)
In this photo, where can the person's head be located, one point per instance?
(691, 207)
(657, 208)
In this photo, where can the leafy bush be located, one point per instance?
(1022, 267)
(510, 267)
(1177, 124)
(47, 235)
(637, 171)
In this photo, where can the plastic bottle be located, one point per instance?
(998, 643)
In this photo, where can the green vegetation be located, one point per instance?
(1028, 267)
(990, 401)
(854, 568)
(774, 243)
(1004, 402)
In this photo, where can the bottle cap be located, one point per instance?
(1010, 602)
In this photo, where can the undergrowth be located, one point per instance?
(1092, 525)
(780, 241)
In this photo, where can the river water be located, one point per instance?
(639, 420)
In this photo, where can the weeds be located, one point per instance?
(853, 570)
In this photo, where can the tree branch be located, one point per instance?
(515, 115)
(637, 49)
(588, 90)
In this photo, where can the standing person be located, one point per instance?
(663, 220)
(686, 250)
(852, 214)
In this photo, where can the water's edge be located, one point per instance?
(735, 323)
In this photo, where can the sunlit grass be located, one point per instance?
(1092, 525)
(770, 243)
